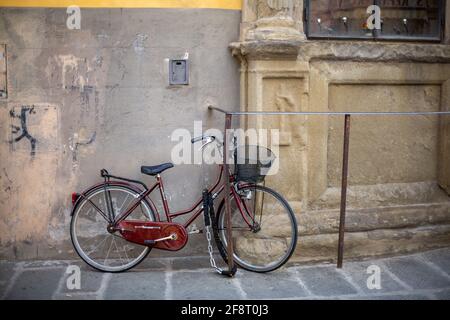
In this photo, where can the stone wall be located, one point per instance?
(399, 166)
(97, 98)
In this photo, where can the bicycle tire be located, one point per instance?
(222, 247)
(74, 239)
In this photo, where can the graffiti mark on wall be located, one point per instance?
(74, 146)
(74, 71)
(6, 185)
(22, 131)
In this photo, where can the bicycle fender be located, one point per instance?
(136, 189)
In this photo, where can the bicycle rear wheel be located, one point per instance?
(264, 233)
(98, 247)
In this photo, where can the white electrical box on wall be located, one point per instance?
(179, 72)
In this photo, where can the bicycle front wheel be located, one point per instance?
(264, 229)
(101, 249)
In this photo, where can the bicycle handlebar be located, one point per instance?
(194, 140)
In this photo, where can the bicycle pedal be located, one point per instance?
(194, 230)
(173, 236)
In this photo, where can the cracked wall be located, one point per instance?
(82, 100)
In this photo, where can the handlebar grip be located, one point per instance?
(194, 140)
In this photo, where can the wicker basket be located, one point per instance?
(252, 163)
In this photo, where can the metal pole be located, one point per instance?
(344, 164)
(227, 193)
(344, 190)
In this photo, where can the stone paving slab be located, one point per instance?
(137, 285)
(393, 297)
(6, 273)
(419, 276)
(416, 274)
(358, 272)
(206, 285)
(192, 263)
(35, 284)
(325, 281)
(262, 286)
(441, 258)
(75, 296)
(152, 264)
(39, 264)
(90, 281)
(443, 294)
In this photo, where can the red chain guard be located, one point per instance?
(132, 231)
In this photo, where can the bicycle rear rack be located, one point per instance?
(105, 174)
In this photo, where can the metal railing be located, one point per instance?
(345, 156)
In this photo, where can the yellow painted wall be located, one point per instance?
(212, 4)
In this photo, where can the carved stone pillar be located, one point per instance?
(270, 28)
(444, 145)
(444, 141)
(392, 166)
(273, 80)
(444, 151)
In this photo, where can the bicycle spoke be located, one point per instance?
(120, 208)
(125, 251)
(94, 242)
(265, 229)
(98, 210)
(103, 241)
(107, 255)
(118, 251)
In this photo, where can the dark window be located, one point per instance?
(400, 19)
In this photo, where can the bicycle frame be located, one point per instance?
(216, 188)
(143, 195)
(159, 184)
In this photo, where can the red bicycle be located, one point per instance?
(115, 224)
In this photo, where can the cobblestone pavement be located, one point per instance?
(419, 276)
